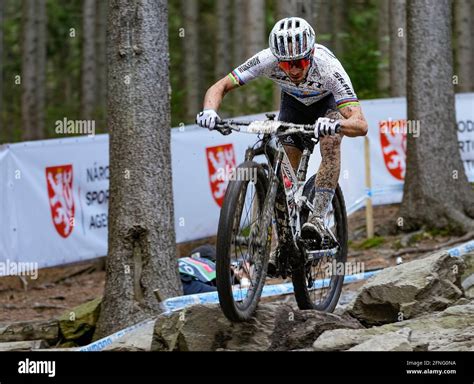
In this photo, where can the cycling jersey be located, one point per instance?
(325, 76)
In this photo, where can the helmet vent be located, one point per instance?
(281, 47)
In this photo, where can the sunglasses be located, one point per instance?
(301, 64)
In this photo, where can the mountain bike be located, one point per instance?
(246, 220)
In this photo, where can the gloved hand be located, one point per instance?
(208, 119)
(326, 127)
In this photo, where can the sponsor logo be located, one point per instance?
(249, 64)
(288, 139)
(61, 200)
(221, 157)
(393, 139)
(346, 86)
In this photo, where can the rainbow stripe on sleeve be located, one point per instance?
(235, 78)
(347, 103)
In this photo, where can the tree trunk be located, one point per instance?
(256, 41)
(3, 133)
(88, 69)
(339, 20)
(297, 8)
(142, 250)
(398, 48)
(238, 28)
(464, 53)
(223, 56)
(384, 47)
(323, 22)
(191, 63)
(101, 60)
(436, 190)
(41, 68)
(238, 49)
(282, 9)
(472, 41)
(29, 111)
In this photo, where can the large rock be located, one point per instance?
(449, 330)
(137, 340)
(298, 329)
(78, 324)
(274, 327)
(204, 328)
(390, 341)
(409, 290)
(468, 259)
(467, 278)
(29, 330)
(22, 346)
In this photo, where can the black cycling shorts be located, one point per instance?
(293, 111)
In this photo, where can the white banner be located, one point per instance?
(54, 193)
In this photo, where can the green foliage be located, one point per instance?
(443, 232)
(361, 56)
(370, 243)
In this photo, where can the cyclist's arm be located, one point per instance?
(253, 68)
(216, 93)
(354, 123)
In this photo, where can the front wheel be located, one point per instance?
(318, 283)
(243, 243)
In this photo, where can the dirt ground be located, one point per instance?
(61, 288)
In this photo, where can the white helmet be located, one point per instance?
(294, 31)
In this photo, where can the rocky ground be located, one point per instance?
(426, 303)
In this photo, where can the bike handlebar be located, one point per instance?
(264, 127)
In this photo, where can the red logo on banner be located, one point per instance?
(221, 165)
(61, 201)
(393, 139)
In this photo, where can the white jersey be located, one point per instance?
(325, 76)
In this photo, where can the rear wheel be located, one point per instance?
(318, 283)
(242, 243)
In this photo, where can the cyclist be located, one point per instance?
(315, 90)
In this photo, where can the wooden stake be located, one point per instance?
(369, 213)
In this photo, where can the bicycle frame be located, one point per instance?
(283, 172)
